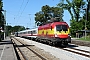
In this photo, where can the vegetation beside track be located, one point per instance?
(83, 38)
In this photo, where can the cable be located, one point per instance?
(23, 10)
(16, 16)
(20, 8)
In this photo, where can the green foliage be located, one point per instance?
(83, 38)
(1, 5)
(74, 7)
(77, 26)
(1, 15)
(17, 28)
(10, 29)
(88, 22)
(47, 13)
(1, 20)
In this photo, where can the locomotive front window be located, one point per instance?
(61, 27)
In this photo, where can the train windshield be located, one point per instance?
(61, 27)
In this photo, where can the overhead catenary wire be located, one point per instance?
(16, 16)
(23, 10)
(20, 9)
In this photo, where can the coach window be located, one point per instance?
(23, 32)
(29, 32)
(51, 27)
(34, 32)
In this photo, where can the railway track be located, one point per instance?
(77, 51)
(19, 52)
(22, 52)
(71, 49)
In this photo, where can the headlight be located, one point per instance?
(56, 35)
(69, 35)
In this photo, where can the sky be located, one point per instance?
(22, 12)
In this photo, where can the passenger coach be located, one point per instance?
(32, 33)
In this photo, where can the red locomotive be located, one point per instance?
(52, 33)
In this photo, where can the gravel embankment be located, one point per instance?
(40, 51)
(81, 42)
(57, 52)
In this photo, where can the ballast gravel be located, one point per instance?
(57, 52)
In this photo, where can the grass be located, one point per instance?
(83, 38)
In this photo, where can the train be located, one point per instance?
(55, 33)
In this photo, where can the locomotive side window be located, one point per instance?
(61, 27)
(51, 27)
(64, 27)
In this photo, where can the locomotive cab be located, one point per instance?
(54, 33)
(62, 33)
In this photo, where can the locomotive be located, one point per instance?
(51, 33)
(54, 33)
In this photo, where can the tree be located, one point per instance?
(1, 5)
(1, 15)
(88, 10)
(18, 28)
(47, 13)
(8, 30)
(57, 12)
(1, 20)
(77, 26)
(11, 29)
(74, 7)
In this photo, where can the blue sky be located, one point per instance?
(21, 12)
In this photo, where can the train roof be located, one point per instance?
(28, 30)
(53, 24)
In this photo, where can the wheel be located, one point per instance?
(65, 44)
(53, 43)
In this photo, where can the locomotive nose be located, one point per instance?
(63, 36)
